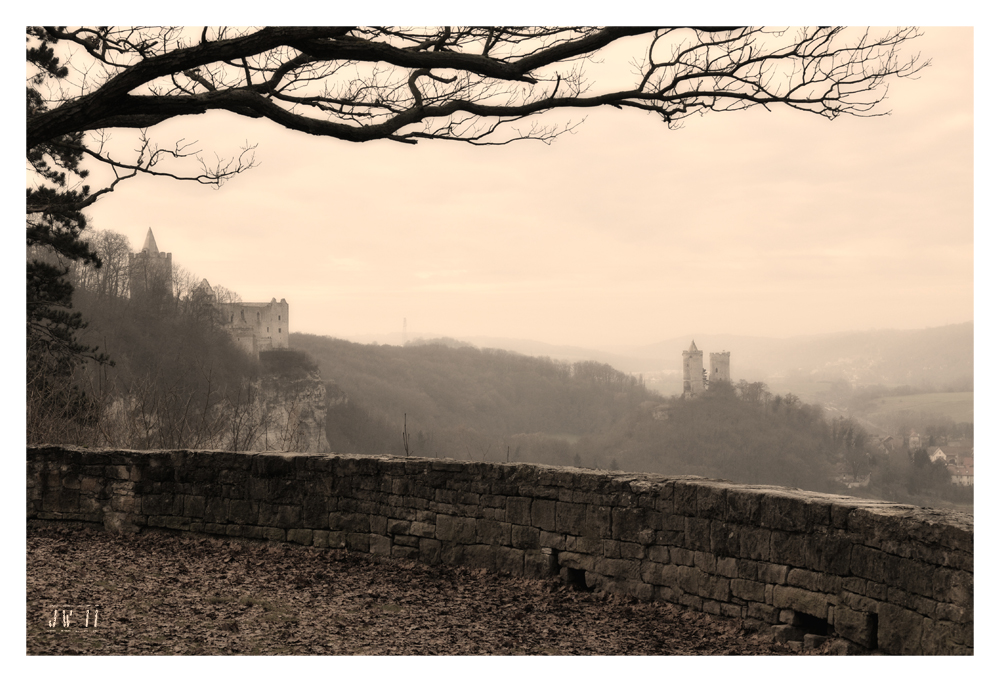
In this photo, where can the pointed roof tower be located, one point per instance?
(149, 245)
(692, 349)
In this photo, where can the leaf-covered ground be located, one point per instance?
(163, 593)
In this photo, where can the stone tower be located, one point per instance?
(693, 366)
(718, 367)
(150, 274)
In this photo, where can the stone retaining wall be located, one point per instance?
(874, 575)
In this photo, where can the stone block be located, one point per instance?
(524, 537)
(489, 532)
(397, 527)
(772, 574)
(812, 603)
(539, 565)
(554, 541)
(813, 581)
(245, 512)
(852, 584)
(858, 603)
(728, 567)
(784, 634)
(856, 626)
(510, 560)
(300, 536)
(913, 602)
(631, 550)
(685, 499)
(321, 538)
(698, 534)
(705, 561)
(455, 529)
(278, 515)
(638, 590)
(658, 574)
(421, 529)
(598, 521)
(120, 523)
(430, 551)
(571, 519)
(944, 638)
(732, 610)
(403, 552)
(315, 513)
(876, 590)
(711, 500)
(792, 511)
(681, 556)
(585, 545)
(543, 514)
(405, 540)
(578, 561)
(619, 569)
(762, 612)
(519, 511)
(689, 600)
(743, 505)
(350, 522)
(954, 613)
(156, 505)
(378, 524)
(273, 534)
(869, 563)
(696, 581)
(953, 586)
(750, 590)
(754, 543)
(359, 542)
(627, 523)
(725, 539)
(899, 630)
(480, 556)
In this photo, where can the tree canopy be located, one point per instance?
(482, 85)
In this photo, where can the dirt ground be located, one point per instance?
(163, 593)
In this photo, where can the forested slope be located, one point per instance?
(464, 401)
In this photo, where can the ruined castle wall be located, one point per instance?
(882, 576)
(257, 326)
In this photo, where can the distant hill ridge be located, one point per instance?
(939, 358)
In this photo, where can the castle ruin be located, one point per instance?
(150, 274)
(696, 381)
(255, 327)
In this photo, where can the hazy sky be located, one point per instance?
(757, 223)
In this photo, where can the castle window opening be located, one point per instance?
(279, 330)
(258, 317)
(279, 318)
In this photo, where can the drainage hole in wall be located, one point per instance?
(577, 579)
(813, 625)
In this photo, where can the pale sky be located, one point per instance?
(625, 232)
